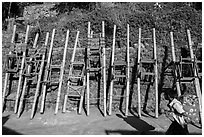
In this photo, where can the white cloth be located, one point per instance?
(178, 111)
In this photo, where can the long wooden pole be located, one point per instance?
(39, 78)
(156, 74)
(7, 74)
(112, 61)
(174, 60)
(138, 77)
(196, 81)
(62, 72)
(128, 72)
(104, 67)
(47, 73)
(87, 63)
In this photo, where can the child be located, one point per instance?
(178, 126)
(191, 107)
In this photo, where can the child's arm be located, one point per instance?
(176, 105)
(179, 108)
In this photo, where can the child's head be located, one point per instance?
(170, 94)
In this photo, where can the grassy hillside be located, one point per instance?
(164, 17)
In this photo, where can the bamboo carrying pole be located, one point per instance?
(87, 63)
(39, 77)
(174, 60)
(112, 61)
(156, 74)
(44, 87)
(104, 67)
(7, 74)
(62, 72)
(196, 80)
(36, 40)
(70, 70)
(138, 77)
(128, 72)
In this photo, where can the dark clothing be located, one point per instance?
(176, 129)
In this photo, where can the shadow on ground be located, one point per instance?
(141, 127)
(130, 132)
(8, 131)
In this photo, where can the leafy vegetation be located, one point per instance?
(165, 17)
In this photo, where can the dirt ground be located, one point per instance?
(71, 123)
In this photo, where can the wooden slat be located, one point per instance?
(55, 66)
(77, 63)
(119, 63)
(148, 61)
(148, 73)
(119, 76)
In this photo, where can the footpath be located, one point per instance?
(71, 123)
